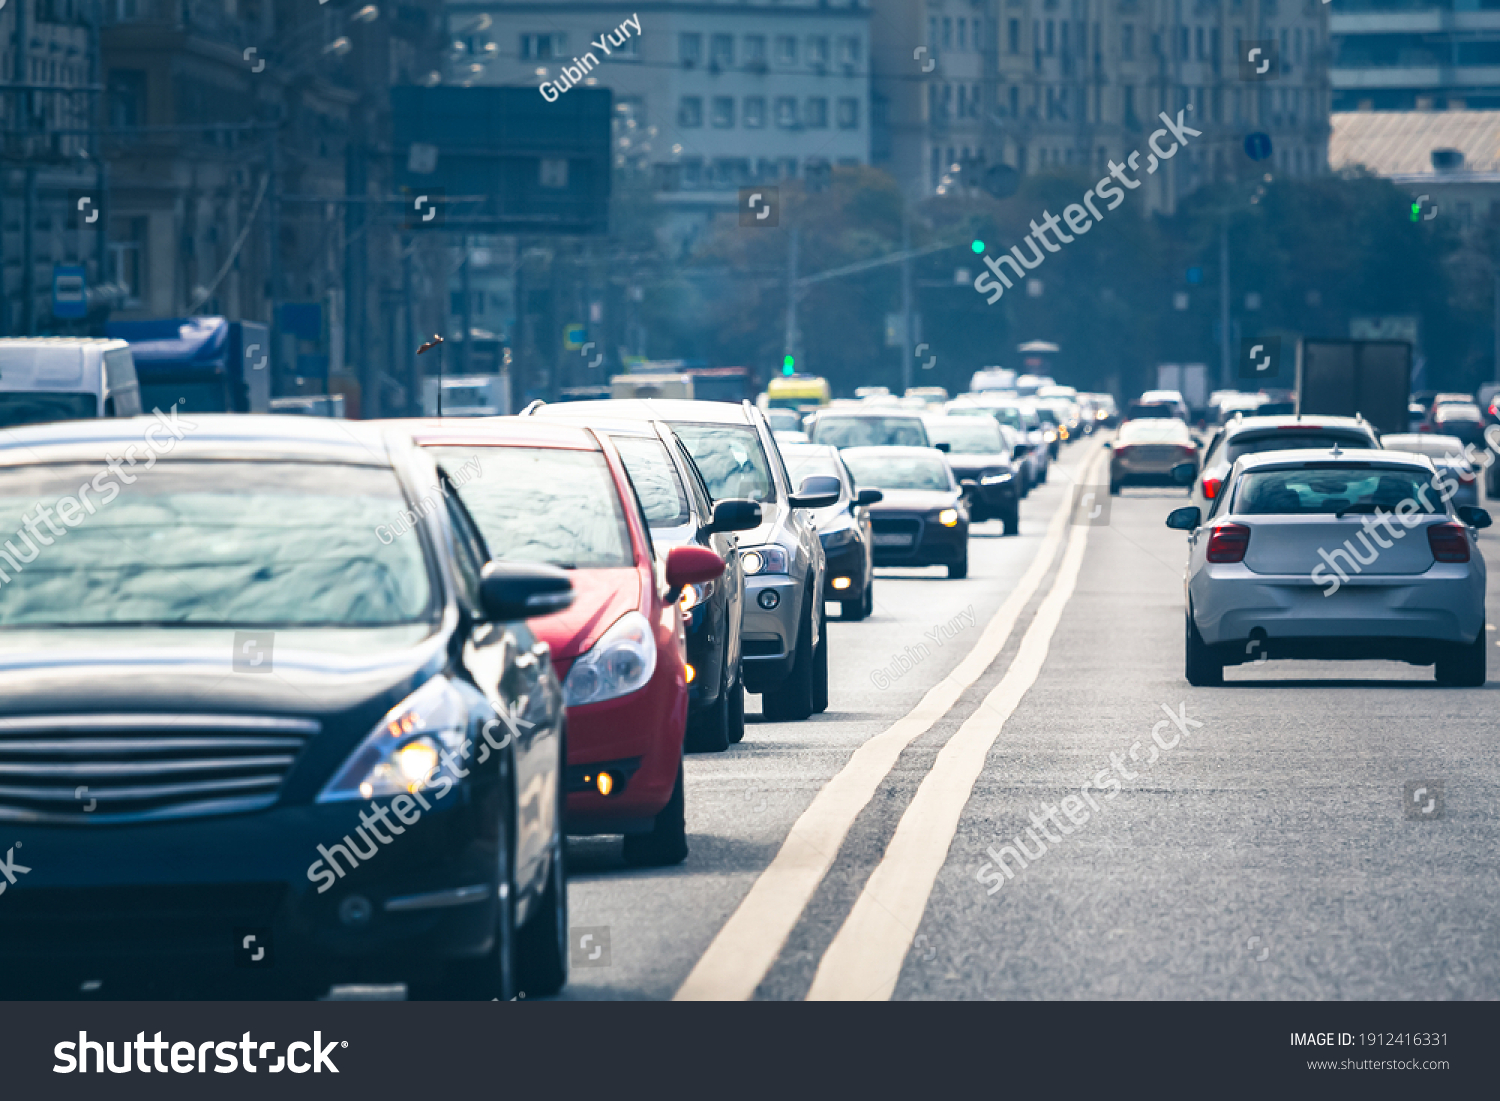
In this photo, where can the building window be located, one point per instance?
(690, 111)
(1051, 38)
(690, 48)
(755, 112)
(1127, 41)
(788, 167)
(963, 105)
(817, 49)
(722, 112)
(849, 50)
(932, 31)
(692, 173)
(963, 28)
(544, 47)
(947, 33)
(1198, 41)
(848, 113)
(817, 113)
(1127, 110)
(786, 49)
(1015, 102)
(127, 264)
(1013, 36)
(786, 112)
(755, 49)
(721, 50)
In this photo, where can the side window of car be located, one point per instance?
(777, 463)
(470, 552)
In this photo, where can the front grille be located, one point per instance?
(100, 769)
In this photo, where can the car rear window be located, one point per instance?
(1155, 431)
(1332, 489)
(1292, 439)
(265, 544)
(968, 437)
(869, 431)
(543, 504)
(655, 479)
(809, 465)
(899, 472)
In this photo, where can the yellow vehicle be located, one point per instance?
(796, 392)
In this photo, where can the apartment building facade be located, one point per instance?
(1415, 55)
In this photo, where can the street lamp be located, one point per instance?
(436, 342)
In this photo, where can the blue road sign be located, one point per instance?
(69, 291)
(1258, 146)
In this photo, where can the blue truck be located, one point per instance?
(205, 364)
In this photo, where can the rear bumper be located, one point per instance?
(933, 545)
(1445, 604)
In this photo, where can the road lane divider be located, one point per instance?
(865, 958)
(743, 951)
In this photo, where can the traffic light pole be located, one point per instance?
(906, 334)
(789, 349)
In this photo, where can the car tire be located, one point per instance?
(492, 977)
(737, 710)
(820, 671)
(957, 571)
(1011, 518)
(708, 730)
(852, 609)
(542, 946)
(1463, 666)
(666, 844)
(1114, 488)
(792, 699)
(1201, 668)
(869, 595)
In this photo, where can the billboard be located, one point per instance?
(502, 159)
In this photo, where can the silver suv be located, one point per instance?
(784, 640)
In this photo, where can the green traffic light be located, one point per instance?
(978, 247)
(787, 366)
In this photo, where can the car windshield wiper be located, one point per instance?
(1357, 506)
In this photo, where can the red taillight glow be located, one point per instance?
(1190, 452)
(1211, 487)
(1122, 449)
(1228, 543)
(1449, 542)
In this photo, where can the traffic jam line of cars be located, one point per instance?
(351, 685)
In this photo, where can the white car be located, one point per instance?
(1337, 555)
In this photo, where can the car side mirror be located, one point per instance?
(1185, 519)
(1184, 473)
(1020, 451)
(509, 591)
(1474, 517)
(817, 491)
(692, 566)
(735, 514)
(868, 497)
(945, 448)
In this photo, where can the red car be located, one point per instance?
(559, 494)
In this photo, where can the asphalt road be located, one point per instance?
(1266, 853)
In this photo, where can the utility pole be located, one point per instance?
(466, 315)
(413, 370)
(789, 343)
(1226, 376)
(273, 248)
(906, 326)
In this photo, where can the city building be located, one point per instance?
(1415, 55)
(1060, 83)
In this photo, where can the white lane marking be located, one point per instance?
(864, 961)
(748, 944)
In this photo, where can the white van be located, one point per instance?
(65, 378)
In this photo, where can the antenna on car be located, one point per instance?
(1337, 452)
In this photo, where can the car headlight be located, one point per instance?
(693, 595)
(400, 754)
(768, 559)
(995, 479)
(948, 517)
(621, 662)
(839, 537)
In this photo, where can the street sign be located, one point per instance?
(69, 292)
(573, 336)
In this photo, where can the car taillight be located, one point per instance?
(1122, 449)
(1228, 543)
(1449, 542)
(1211, 487)
(1190, 452)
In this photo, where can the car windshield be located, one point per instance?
(1333, 488)
(1172, 431)
(898, 471)
(277, 544)
(663, 499)
(1248, 443)
(730, 458)
(543, 504)
(968, 437)
(40, 407)
(869, 431)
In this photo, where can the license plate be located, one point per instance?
(895, 539)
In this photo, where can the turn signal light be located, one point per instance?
(1228, 543)
(1449, 542)
(840, 583)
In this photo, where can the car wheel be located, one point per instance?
(737, 710)
(708, 730)
(960, 569)
(1201, 668)
(852, 609)
(1114, 489)
(792, 699)
(542, 945)
(667, 842)
(1463, 666)
(820, 671)
(869, 595)
(492, 977)
(1011, 518)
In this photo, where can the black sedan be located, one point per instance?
(680, 512)
(272, 720)
(843, 528)
(922, 519)
(982, 464)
